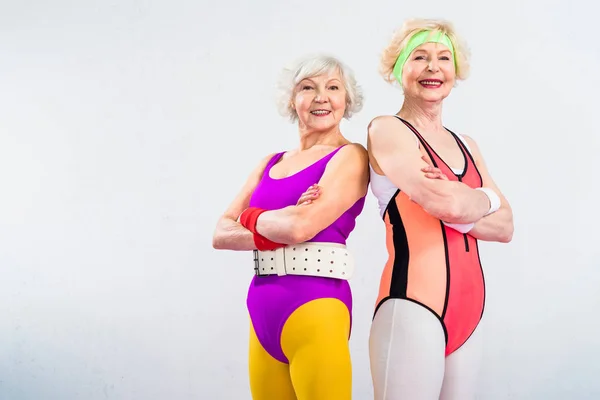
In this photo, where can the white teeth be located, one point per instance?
(431, 83)
(320, 112)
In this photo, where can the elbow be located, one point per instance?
(219, 238)
(217, 243)
(454, 210)
(507, 233)
(445, 208)
(301, 230)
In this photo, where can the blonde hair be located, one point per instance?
(411, 27)
(312, 66)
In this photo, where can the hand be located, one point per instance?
(434, 173)
(311, 194)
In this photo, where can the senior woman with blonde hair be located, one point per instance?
(299, 300)
(437, 199)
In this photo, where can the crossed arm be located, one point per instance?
(498, 226)
(344, 182)
(229, 234)
(392, 149)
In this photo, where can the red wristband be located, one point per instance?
(248, 219)
(264, 244)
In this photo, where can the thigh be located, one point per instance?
(462, 369)
(315, 340)
(406, 350)
(269, 378)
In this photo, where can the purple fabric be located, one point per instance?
(273, 194)
(272, 299)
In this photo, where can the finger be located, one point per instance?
(303, 199)
(311, 190)
(436, 175)
(308, 196)
(311, 193)
(436, 171)
(305, 203)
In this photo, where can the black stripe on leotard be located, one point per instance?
(399, 281)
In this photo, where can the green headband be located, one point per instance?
(414, 42)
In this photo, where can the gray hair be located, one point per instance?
(312, 66)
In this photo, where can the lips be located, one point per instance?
(431, 83)
(320, 113)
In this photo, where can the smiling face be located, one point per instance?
(320, 101)
(429, 73)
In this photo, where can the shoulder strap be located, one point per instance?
(333, 153)
(274, 159)
(418, 138)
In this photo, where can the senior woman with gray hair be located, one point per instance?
(299, 300)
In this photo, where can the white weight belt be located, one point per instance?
(330, 260)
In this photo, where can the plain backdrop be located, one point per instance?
(127, 127)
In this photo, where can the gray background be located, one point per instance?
(126, 128)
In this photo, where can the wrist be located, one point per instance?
(494, 202)
(248, 219)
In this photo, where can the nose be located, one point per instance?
(320, 97)
(433, 65)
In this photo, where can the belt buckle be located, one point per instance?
(278, 258)
(256, 270)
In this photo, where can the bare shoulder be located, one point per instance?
(469, 140)
(355, 150)
(257, 172)
(475, 152)
(241, 200)
(382, 124)
(262, 164)
(352, 155)
(384, 128)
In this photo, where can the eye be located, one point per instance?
(334, 87)
(446, 58)
(419, 57)
(306, 87)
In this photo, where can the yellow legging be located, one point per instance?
(315, 341)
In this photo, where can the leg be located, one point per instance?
(269, 378)
(462, 367)
(315, 340)
(406, 348)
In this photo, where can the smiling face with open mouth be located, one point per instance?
(320, 102)
(429, 73)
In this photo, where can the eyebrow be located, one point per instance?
(440, 51)
(311, 81)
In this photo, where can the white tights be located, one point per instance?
(406, 349)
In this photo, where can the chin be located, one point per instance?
(322, 126)
(433, 97)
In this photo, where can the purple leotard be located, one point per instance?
(272, 299)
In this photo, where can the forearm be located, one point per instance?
(455, 202)
(231, 235)
(496, 227)
(282, 226)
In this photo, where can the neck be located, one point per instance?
(425, 116)
(310, 138)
